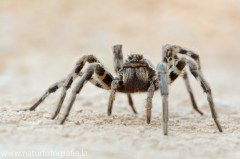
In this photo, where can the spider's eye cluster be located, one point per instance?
(138, 56)
(131, 56)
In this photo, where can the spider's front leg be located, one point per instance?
(151, 90)
(65, 83)
(100, 72)
(187, 83)
(69, 80)
(162, 74)
(118, 65)
(114, 88)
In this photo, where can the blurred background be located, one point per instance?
(41, 39)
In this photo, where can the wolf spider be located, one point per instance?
(136, 74)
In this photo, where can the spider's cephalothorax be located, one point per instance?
(136, 74)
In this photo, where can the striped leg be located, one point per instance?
(182, 50)
(101, 73)
(114, 87)
(206, 88)
(118, 65)
(185, 77)
(151, 90)
(67, 84)
(175, 70)
(50, 90)
(162, 73)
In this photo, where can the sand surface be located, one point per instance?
(41, 40)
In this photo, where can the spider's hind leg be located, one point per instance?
(206, 88)
(185, 77)
(130, 101)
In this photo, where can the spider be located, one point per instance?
(136, 74)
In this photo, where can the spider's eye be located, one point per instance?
(131, 56)
(138, 56)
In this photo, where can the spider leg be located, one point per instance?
(185, 77)
(151, 90)
(101, 73)
(175, 70)
(162, 73)
(206, 88)
(117, 57)
(69, 80)
(187, 83)
(50, 90)
(114, 87)
(130, 101)
(118, 65)
(181, 50)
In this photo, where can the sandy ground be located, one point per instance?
(40, 40)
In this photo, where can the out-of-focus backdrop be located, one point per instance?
(41, 39)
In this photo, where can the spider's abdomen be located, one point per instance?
(135, 79)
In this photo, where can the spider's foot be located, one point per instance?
(24, 110)
(134, 110)
(54, 116)
(148, 120)
(165, 128)
(200, 112)
(218, 125)
(109, 112)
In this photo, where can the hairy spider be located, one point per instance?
(136, 74)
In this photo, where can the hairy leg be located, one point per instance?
(206, 88)
(187, 83)
(69, 80)
(118, 65)
(175, 70)
(151, 90)
(162, 73)
(50, 90)
(169, 49)
(114, 87)
(185, 77)
(96, 68)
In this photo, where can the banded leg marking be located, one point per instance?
(50, 90)
(67, 84)
(96, 68)
(206, 88)
(176, 70)
(114, 87)
(181, 50)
